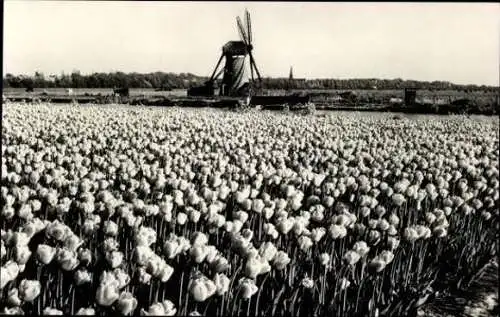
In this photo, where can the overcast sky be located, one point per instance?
(457, 42)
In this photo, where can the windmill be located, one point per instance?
(238, 56)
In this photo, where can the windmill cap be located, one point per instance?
(236, 48)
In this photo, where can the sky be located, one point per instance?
(456, 42)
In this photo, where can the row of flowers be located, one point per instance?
(173, 211)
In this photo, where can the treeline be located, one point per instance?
(370, 84)
(186, 80)
(102, 80)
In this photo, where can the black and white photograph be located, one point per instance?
(259, 158)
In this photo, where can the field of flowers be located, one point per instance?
(165, 211)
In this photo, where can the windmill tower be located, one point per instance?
(239, 61)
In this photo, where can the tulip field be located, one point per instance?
(170, 211)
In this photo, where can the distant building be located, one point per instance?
(290, 77)
(410, 96)
(293, 82)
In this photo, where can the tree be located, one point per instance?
(77, 80)
(39, 80)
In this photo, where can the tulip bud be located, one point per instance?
(110, 228)
(440, 231)
(394, 220)
(305, 243)
(337, 232)
(307, 283)
(199, 238)
(57, 230)
(166, 308)
(344, 283)
(13, 311)
(377, 264)
(198, 252)
(198, 289)
(107, 294)
(410, 234)
(383, 225)
(258, 205)
(86, 311)
(127, 303)
(423, 232)
(317, 234)
(114, 258)
(72, 242)
(373, 237)
(67, 259)
(387, 256)
(22, 254)
(380, 211)
(486, 215)
(430, 217)
(143, 276)
(220, 264)
(145, 236)
(328, 201)
(25, 212)
(222, 283)
(268, 251)
(8, 212)
(373, 223)
(165, 273)
(247, 234)
(211, 253)
(194, 216)
(281, 260)
(172, 248)
(324, 259)
(284, 225)
(398, 199)
(13, 297)
(29, 290)
(9, 272)
(82, 277)
(52, 312)
(247, 288)
(181, 218)
(361, 248)
(392, 243)
(246, 204)
(252, 267)
(85, 256)
(351, 257)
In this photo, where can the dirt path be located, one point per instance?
(479, 299)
